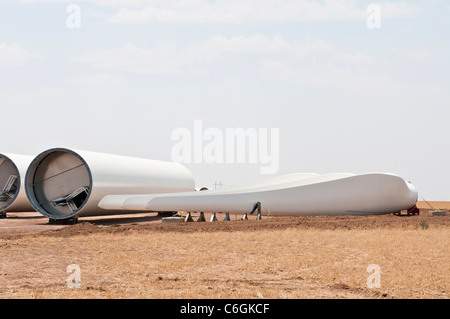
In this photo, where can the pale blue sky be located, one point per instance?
(345, 97)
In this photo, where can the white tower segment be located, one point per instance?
(61, 183)
(12, 176)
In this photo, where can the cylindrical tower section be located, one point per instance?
(13, 168)
(61, 183)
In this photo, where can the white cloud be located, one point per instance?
(390, 10)
(167, 58)
(277, 70)
(300, 50)
(359, 59)
(261, 43)
(248, 44)
(162, 59)
(239, 11)
(418, 55)
(333, 77)
(99, 80)
(108, 3)
(14, 55)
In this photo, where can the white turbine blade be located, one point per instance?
(331, 194)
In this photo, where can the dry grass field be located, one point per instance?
(279, 257)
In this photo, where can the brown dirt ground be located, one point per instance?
(21, 233)
(18, 224)
(275, 223)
